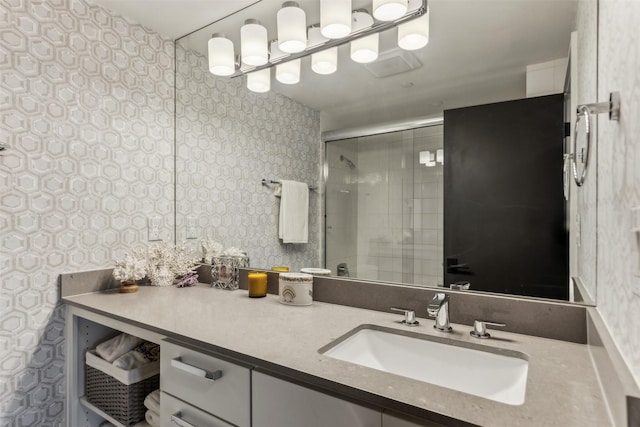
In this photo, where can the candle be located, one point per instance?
(257, 284)
(280, 269)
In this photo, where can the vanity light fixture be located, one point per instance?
(389, 10)
(221, 55)
(288, 72)
(335, 18)
(274, 51)
(253, 43)
(259, 81)
(365, 49)
(414, 34)
(292, 28)
(429, 160)
(325, 61)
(315, 37)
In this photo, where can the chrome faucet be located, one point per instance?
(439, 308)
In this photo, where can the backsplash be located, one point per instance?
(229, 138)
(87, 114)
(619, 177)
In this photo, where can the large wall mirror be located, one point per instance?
(337, 131)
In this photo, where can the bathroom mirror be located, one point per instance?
(228, 138)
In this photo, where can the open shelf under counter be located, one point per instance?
(84, 402)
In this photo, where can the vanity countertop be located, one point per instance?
(562, 387)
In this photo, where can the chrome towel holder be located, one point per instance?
(584, 113)
(267, 182)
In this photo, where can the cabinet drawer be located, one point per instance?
(278, 403)
(214, 385)
(174, 412)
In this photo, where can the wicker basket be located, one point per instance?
(117, 392)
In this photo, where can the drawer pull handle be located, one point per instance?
(177, 420)
(193, 370)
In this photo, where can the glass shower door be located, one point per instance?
(384, 207)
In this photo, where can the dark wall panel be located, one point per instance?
(504, 211)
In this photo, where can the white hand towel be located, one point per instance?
(111, 349)
(152, 401)
(294, 212)
(153, 418)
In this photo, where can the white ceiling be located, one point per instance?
(477, 53)
(174, 18)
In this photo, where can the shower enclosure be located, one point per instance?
(384, 204)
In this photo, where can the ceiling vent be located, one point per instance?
(392, 62)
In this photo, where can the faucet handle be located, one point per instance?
(409, 316)
(480, 328)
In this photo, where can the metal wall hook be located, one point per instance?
(584, 113)
(612, 107)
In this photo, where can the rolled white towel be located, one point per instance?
(130, 360)
(111, 349)
(152, 401)
(152, 418)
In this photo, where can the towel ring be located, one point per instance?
(584, 113)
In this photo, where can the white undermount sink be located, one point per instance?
(488, 372)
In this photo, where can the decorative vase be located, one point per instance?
(128, 286)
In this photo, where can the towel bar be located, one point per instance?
(271, 181)
(584, 113)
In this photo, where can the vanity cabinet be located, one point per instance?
(278, 403)
(201, 388)
(206, 382)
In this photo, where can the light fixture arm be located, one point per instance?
(377, 27)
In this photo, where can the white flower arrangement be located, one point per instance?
(133, 266)
(165, 262)
(162, 263)
(210, 248)
(233, 251)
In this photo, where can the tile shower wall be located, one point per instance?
(380, 206)
(228, 139)
(86, 110)
(619, 177)
(399, 219)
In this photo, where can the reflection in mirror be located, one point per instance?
(479, 52)
(384, 206)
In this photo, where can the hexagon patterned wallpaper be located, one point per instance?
(228, 139)
(86, 110)
(618, 258)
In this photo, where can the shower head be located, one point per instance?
(347, 161)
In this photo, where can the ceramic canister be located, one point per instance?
(296, 288)
(316, 271)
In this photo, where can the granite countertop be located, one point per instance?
(562, 387)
